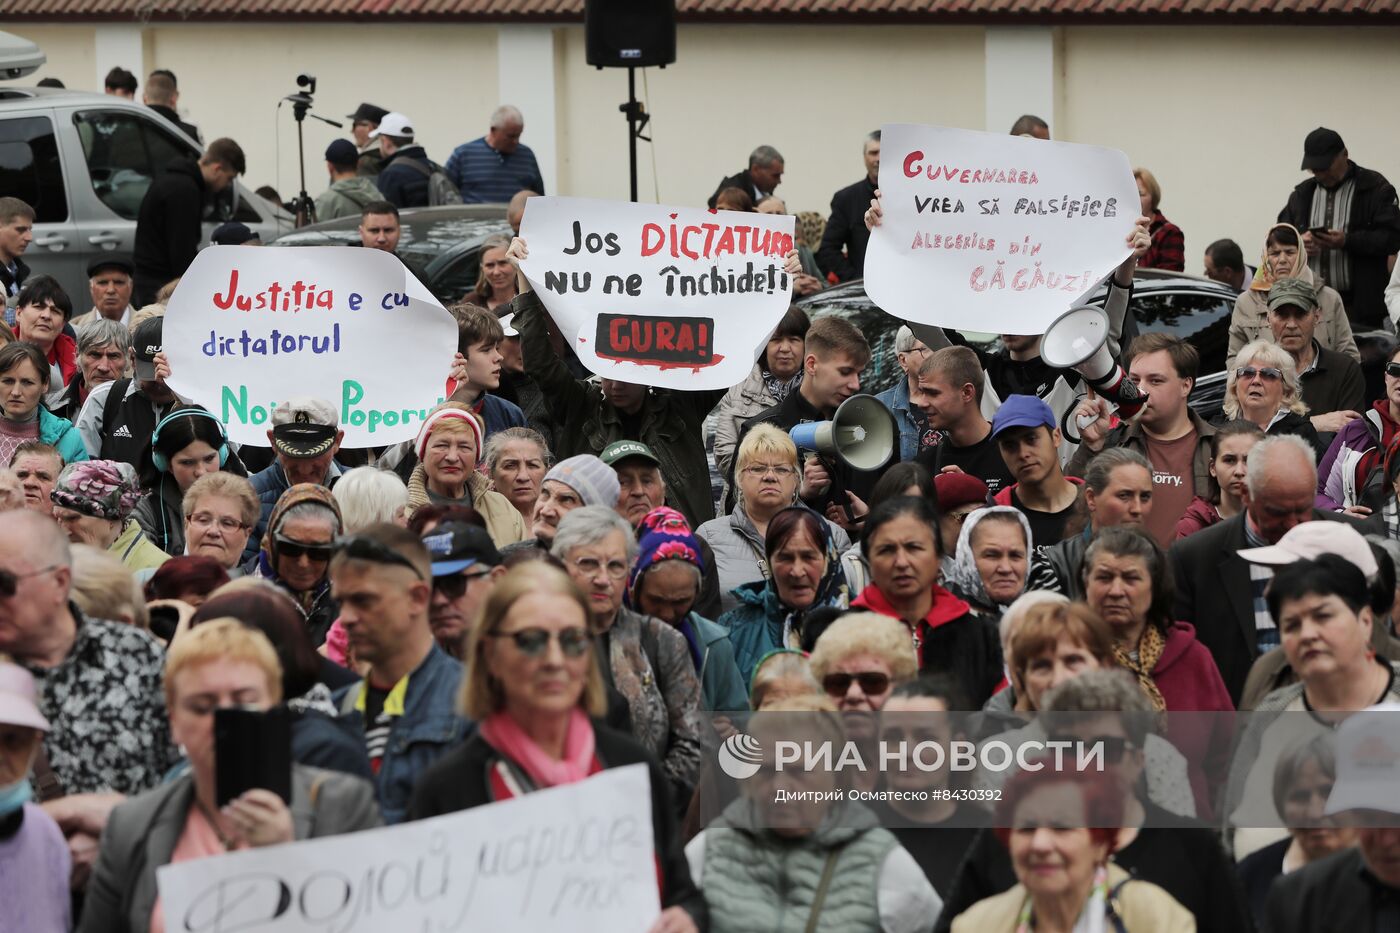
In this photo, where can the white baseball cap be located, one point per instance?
(1311, 540)
(393, 124)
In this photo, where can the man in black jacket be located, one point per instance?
(16, 233)
(1351, 223)
(162, 96)
(762, 177)
(405, 173)
(168, 224)
(842, 250)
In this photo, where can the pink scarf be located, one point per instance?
(505, 735)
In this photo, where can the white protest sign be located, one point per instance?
(994, 233)
(578, 857)
(250, 327)
(674, 297)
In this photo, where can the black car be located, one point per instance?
(1193, 308)
(442, 245)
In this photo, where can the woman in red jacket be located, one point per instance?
(1127, 582)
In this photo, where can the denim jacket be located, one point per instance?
(896, 399)
(428, 726)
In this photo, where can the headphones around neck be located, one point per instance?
(161, 462)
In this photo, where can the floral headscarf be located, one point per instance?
(965, 579)
(100, 488)
(666, 535)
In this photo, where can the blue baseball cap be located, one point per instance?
(1023, 411)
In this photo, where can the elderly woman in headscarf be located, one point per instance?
(1285, 258)
(296, 553)
(665, 582)
(448, 447)
(93, 501)
(992, 559)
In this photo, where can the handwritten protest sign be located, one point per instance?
(578, 857)
(994, 233)
(672, 297)
(248, 328)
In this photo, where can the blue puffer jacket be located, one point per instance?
(755, 625)
(427, 727)
(60, 433)
(721, 686)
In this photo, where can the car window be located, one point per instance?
(30, 169)
(455, 278)
(1201, 319)
(124, 151)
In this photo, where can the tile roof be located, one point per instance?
(1101, 11)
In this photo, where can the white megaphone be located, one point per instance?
(862, 434)
(1078, 340)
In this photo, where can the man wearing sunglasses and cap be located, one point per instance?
(305, 437)
(406, 707)
(466, 565)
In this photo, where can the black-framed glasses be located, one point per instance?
(1392, 369)
(872, 683)
(9, 580)
(1267, 373)
(360, 547)
(291, 550)
(533, 642)
(454, 585)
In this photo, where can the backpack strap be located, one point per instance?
(1111, 904)
(421, 166)
(819, 899)
(113, 403)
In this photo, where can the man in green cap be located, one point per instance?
(1332, 384)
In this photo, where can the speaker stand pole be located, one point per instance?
(636, 122)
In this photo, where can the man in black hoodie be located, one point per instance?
(168, 224)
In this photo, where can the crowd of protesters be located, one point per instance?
(544, 584)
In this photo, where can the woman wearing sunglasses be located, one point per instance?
(1263, 389)
(296, 553)
(536, 690)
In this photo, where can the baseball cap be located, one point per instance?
(1022, 411)
(113, 261)
(367, 113)
(303, 428)
(1295, 292)
(146, 342)
(393, 124)
(18, 698)
(232, 233)
(621, 450)
(1320, 148)
(593, 480)
(1311, 540)
(955, 489)
(342, 152)
(1368, 762)
(455, 546)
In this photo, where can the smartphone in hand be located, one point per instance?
(252, 749)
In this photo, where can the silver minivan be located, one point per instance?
(83, 162)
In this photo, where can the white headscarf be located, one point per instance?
(964, 576)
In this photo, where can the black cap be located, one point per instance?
(232, 233)
(342, 152)
(302, 440)
(112, 261)
(146, 342)
(368, 113)
(455, 546)
(1320, 148)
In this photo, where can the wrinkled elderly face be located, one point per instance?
(37, 474)
(111, 292)
(102, 364)
(215, 528)
(304, 551)
(505, 138)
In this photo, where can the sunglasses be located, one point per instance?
(454, 585)
(360, 547)
(1267, 373)
(872, 683)
(533, 642)
(9, 580)
(1392, 369)
(291, 550)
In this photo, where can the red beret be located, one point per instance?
(955, 489)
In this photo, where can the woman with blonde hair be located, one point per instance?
(535, 689)
(861, 657)
(766, 477)
(448, 447)
(495, 283)
(1263, 389)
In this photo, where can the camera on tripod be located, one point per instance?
(307, 81)
(301, 102)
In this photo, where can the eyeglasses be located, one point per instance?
(1392, 369)
(359, 547)
(533, 642)
(589, 567)
(226, 524)
(291, 550)
(760, 470)
(1267, 373)
(454, 585)
(872, 683)
(9, 580)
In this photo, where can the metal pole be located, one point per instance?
(632, 129)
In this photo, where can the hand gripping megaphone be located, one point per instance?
(1078, 340)
(861, 434)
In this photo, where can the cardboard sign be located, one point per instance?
(578, 857)
(248, 328)
(672, 297)
(994, 233)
